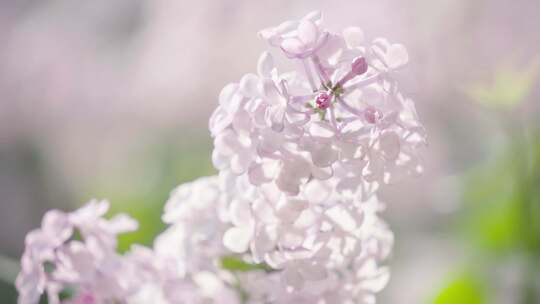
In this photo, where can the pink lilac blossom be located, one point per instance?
(301, 157)
(55, 260)
(304, 153)
(86, 269)
(343, 117)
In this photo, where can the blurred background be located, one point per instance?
(110, 99)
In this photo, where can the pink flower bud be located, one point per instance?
(372, 115)
(359, 66)
(323, 101)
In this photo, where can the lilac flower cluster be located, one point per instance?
(75, 250)
(342, 116)
(292, 216)
(304, 152)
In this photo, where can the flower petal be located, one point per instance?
(389, 145)
(293, 46)
(354, 36)
(237, 239)
(308, 32)
(265, 65)
(249, 85)
(314, 272)
(292, 278)
(396, 56)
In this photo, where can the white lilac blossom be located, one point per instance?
(197, 215)
(161, 279)
(329, 254)
(326, 248)
(343, 116)
(293, 215)
(310, 237)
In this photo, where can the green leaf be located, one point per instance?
(43, 298)
(233, 263)
(77, 235)
(48, 267)
(67, 293)
(464, 289)
(491, 218)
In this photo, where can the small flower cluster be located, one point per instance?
(73, 259)
(75, 250)
(292, 216)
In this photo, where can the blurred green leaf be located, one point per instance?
(233, 263)
(464, 289)
(141, 190)
(508, 88)
(149, 218)
(491, 216)
(498, 228)
(8, 293)
(67, 293)
(501, 214)
(48, 267)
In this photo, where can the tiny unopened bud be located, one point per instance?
(359, 66)
(372, 115)
(323, 100)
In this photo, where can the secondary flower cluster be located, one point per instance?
(292, 216)
(72, 258)
(75, 250)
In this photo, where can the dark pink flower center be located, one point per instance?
(372, 115)
(323, 100)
